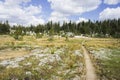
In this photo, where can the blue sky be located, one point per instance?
(26, 12)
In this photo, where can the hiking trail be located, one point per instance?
(90, 71)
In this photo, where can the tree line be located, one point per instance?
(109, 28)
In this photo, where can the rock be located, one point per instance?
(4, 63)
(77, 53)
(28, 64)
(76, 77)
(28, 73)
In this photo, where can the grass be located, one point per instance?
(110, 68)
(107, 69)
(103, 43)
(32, 41)
(69, 67)
(10, 53)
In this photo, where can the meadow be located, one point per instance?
(105, 54)
(59, 59)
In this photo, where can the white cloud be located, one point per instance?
(82, 19)
(15, 2)
(16, 12)
(72, 7)
(111, 2)
(110, 13)
(56, 17)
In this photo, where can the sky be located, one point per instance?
(27, 12)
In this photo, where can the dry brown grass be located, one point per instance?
(32, 41)
(103, 43)
(59, 42)
(7, 54)
(4, 39)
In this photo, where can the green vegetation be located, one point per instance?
(4, 28)
(48, 63)
(107, 28)
(105, 54)
(38, 58)
(110, 68)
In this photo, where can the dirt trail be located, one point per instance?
(90, 71)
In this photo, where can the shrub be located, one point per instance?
(18, 37)
(51, 38)
(39, 35)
